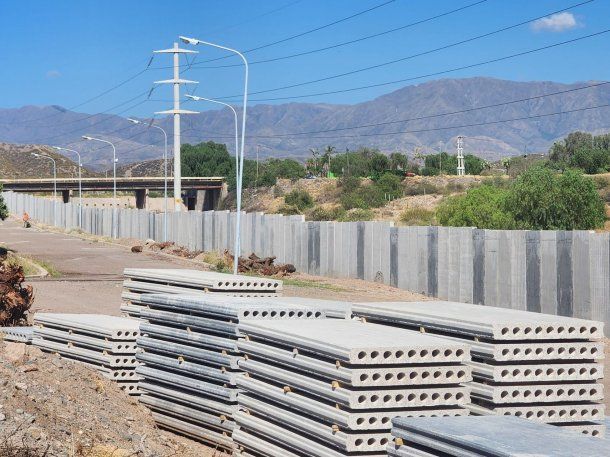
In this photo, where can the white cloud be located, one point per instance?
(53, 74)
(559, 22)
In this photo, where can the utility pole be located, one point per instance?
(258, 146)
(461, 170)
(176, 112)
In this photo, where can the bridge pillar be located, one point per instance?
(141, 195)
(65, 194)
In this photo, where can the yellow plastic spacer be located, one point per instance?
(180, 359)
(399, 442)
(335, 384)
(335, 428)
(422, 330)
(287, 389)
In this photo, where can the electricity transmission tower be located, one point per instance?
(461, 170)
(176, 112)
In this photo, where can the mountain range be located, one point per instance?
(422, 109)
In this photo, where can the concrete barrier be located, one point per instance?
(554, 272)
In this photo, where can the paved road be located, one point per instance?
(91, 272)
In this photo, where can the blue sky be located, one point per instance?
(64, 52)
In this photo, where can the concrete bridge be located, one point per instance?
(199, 193)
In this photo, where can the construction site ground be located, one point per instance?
(52, 405)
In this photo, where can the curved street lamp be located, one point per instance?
(80, 187)
(39, 156)
(90, 138)
(194, 42)
(135, 121)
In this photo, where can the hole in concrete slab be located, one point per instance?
(361, 399)
(447, 396)
(411, 397)
(593, 329)
(435, 353)
(423, 353)
(400, 376)
(459, 396)
(399, 354)
(459, 352)
(376, 376)
(389, 376)
(361, 355)
(371, 441)
(374, 354)
(411, 353)
(360, 421)
(583, 329)
(504, 331)
(438, 373)
(538, 330)
(399, 397)
(594, 433)
(447, 352)
(505, 351)
(359, 442)
(461, 374)
(387, 398)
(571, 329)
(387, 354)
(529, 414)
(593, 411)
(375, 398)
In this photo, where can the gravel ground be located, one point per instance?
(50, 406)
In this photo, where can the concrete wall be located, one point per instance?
(555, 272)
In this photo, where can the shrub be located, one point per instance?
(421, 188)
(357, 215)
(417, 216)
(320, 213)
(349, 183)
(4, 213)
(299, 198)
(482, 207)
(390, 184)
(541, 200)
(288, 210)
(357, 196)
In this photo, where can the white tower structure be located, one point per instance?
(461, 170)
(176, 112)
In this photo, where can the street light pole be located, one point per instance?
(194, 41)
(135, 121)
(114, 160)
(54, 183)
(196, 98)
(80, 186)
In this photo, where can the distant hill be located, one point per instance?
(17, 162)
(154, 167)
(56, 125)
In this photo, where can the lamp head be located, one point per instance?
(57, 148)
(192, 97)
(133, 121)
(85, 137)
(192, 41)
(35, 155)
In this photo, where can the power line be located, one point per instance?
(357, 40)
(464, 67)
(449, 113)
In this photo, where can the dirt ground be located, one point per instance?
(53, 407)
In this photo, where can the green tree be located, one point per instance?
(542, 200)
(391, 184)
(474, 165)
(398, 161)
(299, 198)
(591, 160)
(482, 207)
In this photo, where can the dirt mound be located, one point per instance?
(54, 407)
(15, 298)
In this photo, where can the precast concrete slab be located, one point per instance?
(361, 441)
(409, 451)
(177, 395)
(249, 445)
(17, 334)
(85, 341)
(214, 391)
(190, 337)
(230, 308)
(186, 321)
(87, 355)
(203, 279)
(115, 374)
(397, 397)
(543, 413)
(590, 429)
(538, 352)
(357, 376)
(130, 310)
(280, 436)
(186, 368)
(328, 412)
(536, 393)
(539, 372)
(116, 328)
(498, 324)
(215, 422)
(181, 427)
(138, 288)
(332, 308)
(187, 353)
(358, 343)
(495, 436)
(130, 388)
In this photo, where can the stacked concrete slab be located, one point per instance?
(17, 334)
(536, 366)
(105, 343)
(139, 281)
(331, 387)
(189, 351)
(488, 436)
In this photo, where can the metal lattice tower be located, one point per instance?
(461, 170)
(176, 112)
